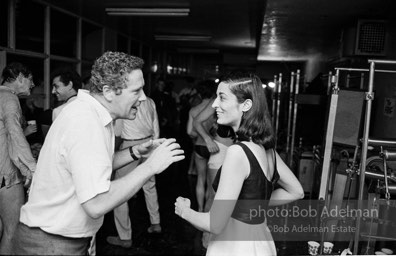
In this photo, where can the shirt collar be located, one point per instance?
(103, 114)
(8, 88)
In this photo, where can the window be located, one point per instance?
(29, 19)
(122, 43)
(73, 6)
(135, 48)
(56, 64)
(63, 34)
(91, 41)
(3, 23)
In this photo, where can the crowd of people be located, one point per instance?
(64, 168)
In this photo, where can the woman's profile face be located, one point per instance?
(228, 110)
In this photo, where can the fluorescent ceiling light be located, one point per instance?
(158, 12)
(197, 50)
(182, 38)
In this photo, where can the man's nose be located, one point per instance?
(142, 96)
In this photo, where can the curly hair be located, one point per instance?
(256, 122)
(111, 69)
(11, 72)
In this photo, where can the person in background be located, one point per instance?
(33, 112)
(166, 108)
(17, 164)
(220, 135)
(247, 177)
(133, 132)
(201, 151)
(72, 189)
(65, 85)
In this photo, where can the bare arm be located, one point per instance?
(122, 158)
(120, 191)
(206, 113)
(190, 130)
(235, 170)
(290, 190)
(124, 188)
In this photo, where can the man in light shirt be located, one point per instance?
(71, 190)
(133, 132)
(17, 164)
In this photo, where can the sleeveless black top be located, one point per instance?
(256, 190)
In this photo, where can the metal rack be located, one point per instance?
(332, 114)
(276, 101)
(369, 97)
(292, 118)
(365, 139)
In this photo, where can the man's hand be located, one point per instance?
(144, 150)
(26, 172)
(30, 129)
(28, 181)
(164, 155)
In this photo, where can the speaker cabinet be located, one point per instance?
(349, 116)
(371, 38)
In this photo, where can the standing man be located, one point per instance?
(167, 110)
(65, 85)
(133, 132)
(16, 161)
(72, 190)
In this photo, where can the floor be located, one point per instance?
(177, 237)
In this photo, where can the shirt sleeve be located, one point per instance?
(155, 122)
(89, 156)
(19, 148)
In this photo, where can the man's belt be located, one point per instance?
(138, 139)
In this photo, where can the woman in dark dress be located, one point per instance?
(247, 179)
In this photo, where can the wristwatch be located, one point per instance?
(134, 157)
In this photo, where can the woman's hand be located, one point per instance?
(212, 146)
(181, 205)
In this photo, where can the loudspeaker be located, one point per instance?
(306, 171)
(349, 116)
(371, 38)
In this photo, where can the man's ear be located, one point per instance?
(247, 105)
(108, 93)
(70, 85)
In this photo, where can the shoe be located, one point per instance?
(115, 240)
(154, 228)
